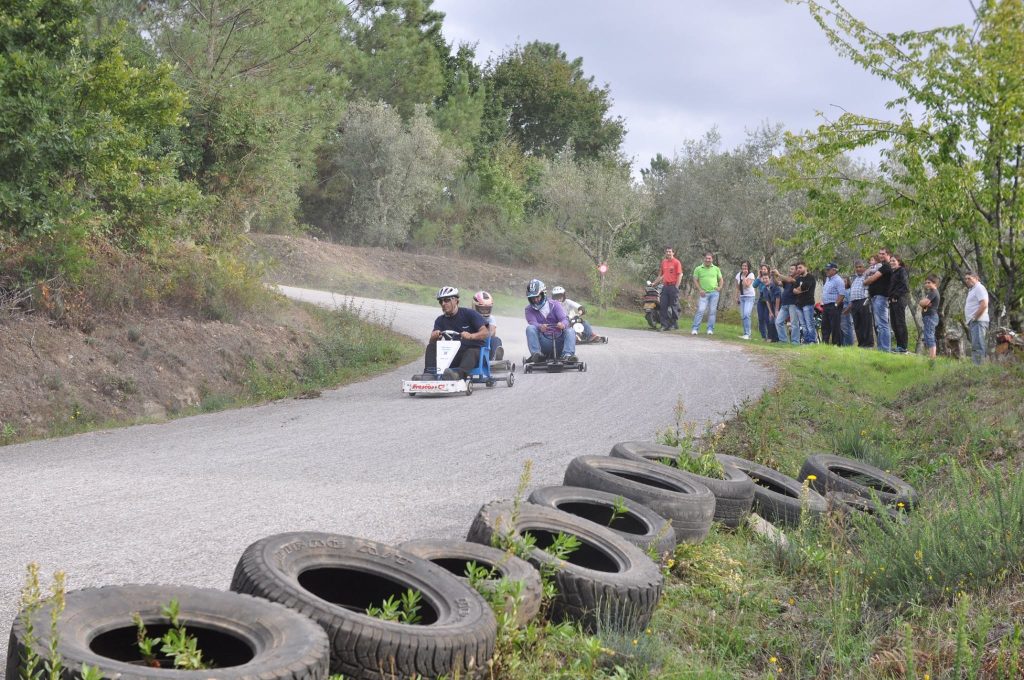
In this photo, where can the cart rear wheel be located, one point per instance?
(511, 379)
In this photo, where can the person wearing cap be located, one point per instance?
(832, 295)
(470, 327)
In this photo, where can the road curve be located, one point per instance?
(179, 501)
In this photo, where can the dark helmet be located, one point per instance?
(536, 289)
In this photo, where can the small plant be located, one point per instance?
(7, 433)
(176, 644)
(33, 666)
(682, 433)
(406, 609)
(705, 465)
(619, 509)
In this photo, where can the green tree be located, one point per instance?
(460, 108)
(594, 203)
(378, 174)
(86, 152)
(399, 54)
(949, 186)
(263, 92)
(546, 101)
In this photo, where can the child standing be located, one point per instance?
(930, 312)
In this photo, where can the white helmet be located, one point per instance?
(557, 290)
(447, 291)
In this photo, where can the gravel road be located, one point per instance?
(178, 502)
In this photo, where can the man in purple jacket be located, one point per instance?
(547, 324)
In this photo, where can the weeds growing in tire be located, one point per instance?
(33, 666)
(176, 644)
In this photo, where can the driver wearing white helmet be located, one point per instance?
(470, 326)
(548, 326)
(573, 308)
(484, 303)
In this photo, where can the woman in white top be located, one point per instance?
(745, 284)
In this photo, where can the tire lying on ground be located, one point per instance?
(777, 497)
(606, 582)
(734, 495)
(837, 473)
(674, 495)
(850, 504)
(333, 579)
(639, 525)
(454, 556)
(240, 636)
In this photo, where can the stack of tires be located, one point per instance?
(297, 605)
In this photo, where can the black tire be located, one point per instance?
(332, 579)
(245, 637)
(652, 319)
(849, 504)
(837, 473)
(734, 495)
(511, 379)
(777, 497)
(469, 388)
(675, 496)
(640, 525)
(453, 556)
(606, 583)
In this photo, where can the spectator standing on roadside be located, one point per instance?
(860, 309)
(930, 312)
(804, 291)
(899, 293)
(845, 320)
(832, 291)
(745, 287)
(976, 314)
(787, 307)
(769, 295)
(707, 277)
(878, 290)
(671, 277)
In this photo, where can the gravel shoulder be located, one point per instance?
(177, 502)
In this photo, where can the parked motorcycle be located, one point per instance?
(651, 303)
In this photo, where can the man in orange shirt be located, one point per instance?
(671, 276)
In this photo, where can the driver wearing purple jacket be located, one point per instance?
(547, 323)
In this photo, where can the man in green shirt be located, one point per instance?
(708, 280)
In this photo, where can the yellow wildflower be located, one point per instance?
(812, 477)
(772, 660)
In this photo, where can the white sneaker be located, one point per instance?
(745, 337)
(710, 332)
(693, 332)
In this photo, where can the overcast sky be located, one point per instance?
(677, 68)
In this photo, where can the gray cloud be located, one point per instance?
(676, 69)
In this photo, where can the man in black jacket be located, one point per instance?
(899, 296)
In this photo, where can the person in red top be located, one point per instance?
(671, 276)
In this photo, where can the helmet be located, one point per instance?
(447, 291)
(483, 302)
(557, 290)
(536, 288)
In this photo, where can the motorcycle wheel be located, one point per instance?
(652, 320)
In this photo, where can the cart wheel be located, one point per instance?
(412, 394)
(511, 379)
(604, 339)
(490, 383)
(528, 369)
(583, 367)
(469, 387)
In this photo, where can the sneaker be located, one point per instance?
(451, 374)
(745, 337)
(693, 332)
(710, 332)
(499, 354)
(569, 358)
(536, 358)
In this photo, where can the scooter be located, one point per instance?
(447, 347)
(576, 321)
(651, 303)
(552, 364)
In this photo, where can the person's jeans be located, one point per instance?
(707, 303)
(931, 322)
(846, 322)
(765, 323)
(979, 340)
(880, 310)
(790, 312)
(669, 301)
(807, 321)
(746, 307)
(548, 346)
